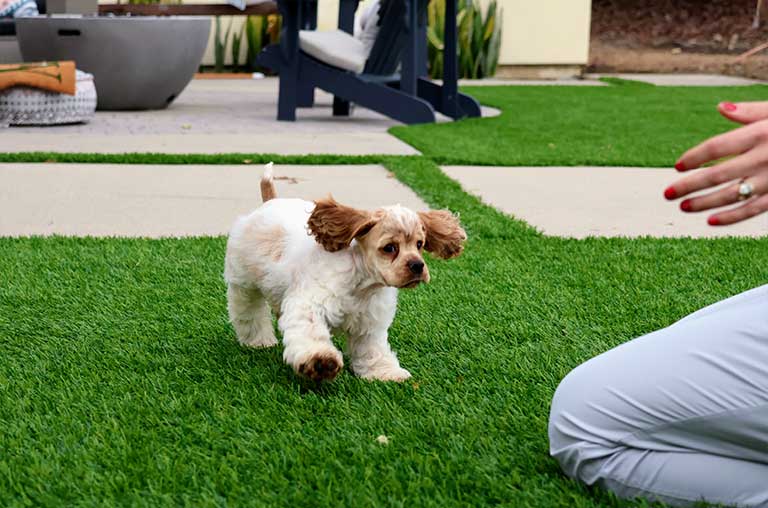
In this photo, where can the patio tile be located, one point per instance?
(161, 201)
(593, 81)
(218, 116)
(593, 201)
(682, 79)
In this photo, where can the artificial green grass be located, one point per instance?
(189, 158)
(122, 383)
(627, 124)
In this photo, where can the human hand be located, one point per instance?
(743, 176)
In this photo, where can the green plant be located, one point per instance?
(237, 39)
(479, 38)
(255, 28)
(259, 32)
(220, 45)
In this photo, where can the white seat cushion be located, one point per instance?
(336, 48)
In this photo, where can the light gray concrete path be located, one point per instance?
(682, 79)
(590, 81)
(162, 201)
(220, 116)
(593, 201)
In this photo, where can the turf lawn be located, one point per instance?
(629, 123)
(121, 382)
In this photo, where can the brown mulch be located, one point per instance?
(720, 26)
(677, 36)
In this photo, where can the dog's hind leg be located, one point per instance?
(250, 316)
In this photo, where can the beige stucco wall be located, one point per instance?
(545, 32)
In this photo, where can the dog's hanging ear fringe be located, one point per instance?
(445, 236)
(334, 225)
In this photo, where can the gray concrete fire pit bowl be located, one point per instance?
(138, 62)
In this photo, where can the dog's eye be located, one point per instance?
(419, 244)
(389, 248)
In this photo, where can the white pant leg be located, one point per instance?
(678, 415)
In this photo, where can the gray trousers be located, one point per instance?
(679, 415)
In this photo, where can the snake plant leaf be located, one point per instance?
(254, 33)
(490, 21)
(237, 39)
(494, 48)
(220, 45)
(479, 37)
(434, 39)
(477, 40)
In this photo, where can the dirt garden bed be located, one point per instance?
(677, 36)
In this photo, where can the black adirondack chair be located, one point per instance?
(394, 79)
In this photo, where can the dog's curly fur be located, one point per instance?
(323, 267)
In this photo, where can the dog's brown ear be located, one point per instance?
(445, 236)
(335, 225)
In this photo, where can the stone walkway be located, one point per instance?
(162, 201)
(682, 79)
(593, 201)
(220, 116)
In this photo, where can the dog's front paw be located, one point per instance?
(324, 366)
(258, 338)
(397, 374)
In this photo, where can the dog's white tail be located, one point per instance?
(267, 185)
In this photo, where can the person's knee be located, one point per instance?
(576, 435)
(566, 401)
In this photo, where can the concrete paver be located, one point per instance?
(682, 79)
(220, 116)
(589, 81)
(593, 201)
(170, 201)
(217, 116)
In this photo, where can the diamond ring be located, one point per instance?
(745, 190)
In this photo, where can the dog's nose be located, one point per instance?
(416, 267)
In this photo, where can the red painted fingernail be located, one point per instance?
(680, 166)
(686, 205)
(713, 221)
(729, 106)
(670, 193)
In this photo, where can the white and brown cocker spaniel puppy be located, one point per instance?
(324, 267)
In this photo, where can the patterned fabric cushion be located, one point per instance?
(18, 8)
(21, 105)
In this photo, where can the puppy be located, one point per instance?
(324, 267)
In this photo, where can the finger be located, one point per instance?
(732, 169)
(744, 112)
(730, 143)
(724, 196)
(750, 208)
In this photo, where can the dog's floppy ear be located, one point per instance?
(445, 236)
(335, 225)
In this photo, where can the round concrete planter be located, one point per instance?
(137, 62)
